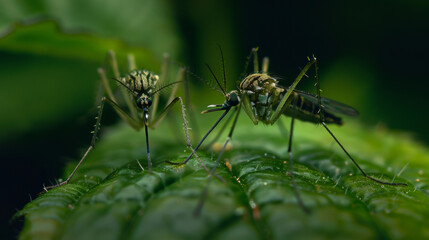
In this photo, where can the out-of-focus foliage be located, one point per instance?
(141, 23)
(54, 62)
(60, 59)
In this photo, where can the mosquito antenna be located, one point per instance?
(217, 81)
(125, 86)
(193, 74)
(207, 82)
(223, 66)
(164, 87)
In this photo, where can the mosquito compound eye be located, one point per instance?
(139, 103)
(233, 99)
(148, 102)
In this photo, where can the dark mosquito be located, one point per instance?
(264, 100)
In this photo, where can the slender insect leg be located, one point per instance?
(203, 197)
(265, 63)
(255, 60)
(289, 150)
(155, 121)
(246, 65)
(357, 165)
(322, 121)
(131, 63)
(205, 191)
(319, 93)
(185, 126)
(162, 80)
(220, 132)
(134, 123)
(149, 162)
(188, 142)
(124, 92)
(105, 83)
(179, 78)
(91, 146)
(287, 99)
(282, 127)
(190, 107)
(137, 124)
(202, 140)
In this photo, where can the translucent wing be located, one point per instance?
(330, 105)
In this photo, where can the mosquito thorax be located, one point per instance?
(259, 82)
(263, 93)
(141, 81)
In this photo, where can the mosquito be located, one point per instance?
(140, 91)
(264, 100)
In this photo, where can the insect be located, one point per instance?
(140, 91)
(264, 100)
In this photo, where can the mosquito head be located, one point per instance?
(232, 99)
(144, 102)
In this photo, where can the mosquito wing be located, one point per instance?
(330, 105)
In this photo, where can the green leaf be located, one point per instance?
(112, 198)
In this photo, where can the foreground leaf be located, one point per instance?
(112, 198)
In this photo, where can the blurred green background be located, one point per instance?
(373, 56)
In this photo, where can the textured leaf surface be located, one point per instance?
(111, 198)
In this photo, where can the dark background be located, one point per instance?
(372, 56)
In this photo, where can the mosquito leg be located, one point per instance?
(134, 123)
(265, 63)
(162, 80)
(202, 140)
(131, 62)
(105, 83)
(319, 93)
(289, 150)
(203, 197)
(124, 92)
(282, 127)
(191, 113)
(220, 132)
(287, 99)
(149, 162)
(155, 121)
(255, 60)
(179, 78)
(188, 142)
(322, 121)
(91, 146)
(206, 188)
(246, 65)
(356, 164)
(158, 119)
